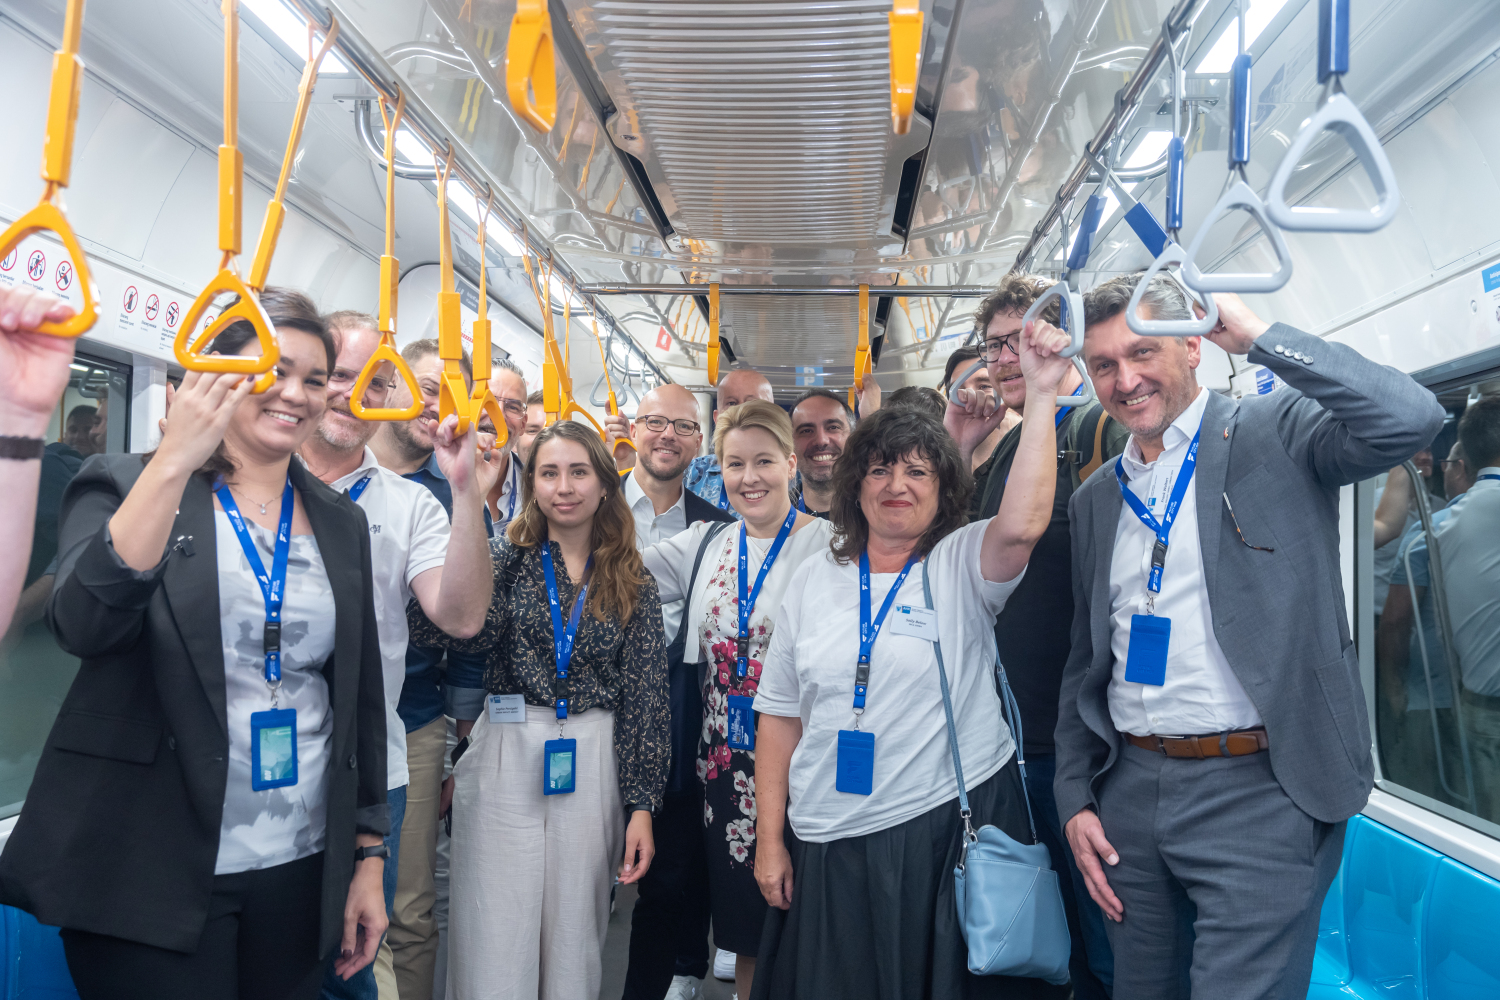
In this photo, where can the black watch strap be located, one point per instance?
(458, 751)
(378, 851)
(22, 448)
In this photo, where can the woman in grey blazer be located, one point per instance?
(193, 823)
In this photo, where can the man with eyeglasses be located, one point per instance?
(413, 554)
(669, 926)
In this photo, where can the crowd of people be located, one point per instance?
(376, 709)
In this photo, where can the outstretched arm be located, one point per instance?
(457, 595)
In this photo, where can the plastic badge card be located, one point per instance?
(856, 762)
(273, 749)
(559, 758)
(1146, 660)
(506, 707)
(741, 722)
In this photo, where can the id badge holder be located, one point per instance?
(1146, 659)
(273, 749)
(741, 722)
(856, 762)
(559, 758)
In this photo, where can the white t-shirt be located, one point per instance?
(809, 674)
(408, 536)
(671, 562)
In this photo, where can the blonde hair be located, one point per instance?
(754, 413)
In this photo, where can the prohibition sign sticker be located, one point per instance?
(10, 260)
(132, 299)
(172, 314)
(36, 265)
(153, 306)
(64, 275)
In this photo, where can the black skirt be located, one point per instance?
(874, 917)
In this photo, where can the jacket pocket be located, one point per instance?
(107, 736)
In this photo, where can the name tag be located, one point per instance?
(741, 725)
(856, 762)
(506, 707)
(920, 623)
(558, 766)
(273, 749)
(1146, 659)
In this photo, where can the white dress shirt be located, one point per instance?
(508, 505)
(1201, 694)
(650, 528)
(1469, 543)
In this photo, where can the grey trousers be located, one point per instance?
(1221, 876)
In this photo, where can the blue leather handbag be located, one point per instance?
(1009, 904)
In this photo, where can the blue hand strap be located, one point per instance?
(273, 584)
(748, 599)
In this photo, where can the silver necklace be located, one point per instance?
(247, 496)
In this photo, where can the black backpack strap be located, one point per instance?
(713, 532)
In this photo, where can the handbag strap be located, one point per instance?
(1012, 719)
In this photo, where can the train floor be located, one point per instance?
(617, 954)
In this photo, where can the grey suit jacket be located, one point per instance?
(1279, 616)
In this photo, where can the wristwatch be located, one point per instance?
(458, 751)
(22, 448)
(378, 851)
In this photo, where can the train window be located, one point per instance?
(92, 418)
(1436, 568)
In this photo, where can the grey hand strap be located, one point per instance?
(1012, 719)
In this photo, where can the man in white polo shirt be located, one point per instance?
(412, 553)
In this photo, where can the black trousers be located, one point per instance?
(669, 928)
(260, 942)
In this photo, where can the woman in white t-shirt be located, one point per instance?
(753, 442)
(865, 873)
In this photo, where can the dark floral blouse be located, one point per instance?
(620, 669)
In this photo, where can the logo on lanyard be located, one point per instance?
(741, 721)
(855, 763)
(558, 756)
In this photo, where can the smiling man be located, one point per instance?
(1212, 738)
(821, 424)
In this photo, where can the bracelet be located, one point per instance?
(21, 448)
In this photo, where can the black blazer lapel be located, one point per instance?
(1106, 514)
(698, 509)
(1208, 486)
(191, 586)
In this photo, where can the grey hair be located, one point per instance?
(508, 365)
(1164, 299)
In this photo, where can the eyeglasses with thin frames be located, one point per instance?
(656, 424)
(342, 377)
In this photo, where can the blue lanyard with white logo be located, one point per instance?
(1163, 528)
(273, 584)
(515, 487)
(358, 488)
(562, 639)
(748, 599)
(723, 494)
(868, 630)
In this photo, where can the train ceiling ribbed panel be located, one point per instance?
(772, 332)
(758, 122)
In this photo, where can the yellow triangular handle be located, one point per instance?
(385, 352)
(187, 347)
(488, 404)
(906, 62)
(47, 217)
(529, 64)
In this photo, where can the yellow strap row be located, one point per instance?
(482, 400)
(453, 393)
(614, 404)
(906, 61)
(57, 165)
(530, 65)
(557, 383)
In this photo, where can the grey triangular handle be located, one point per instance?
(1171, 254)
(1240, 195)
(1336, 112)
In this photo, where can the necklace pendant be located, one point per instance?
(263, 509)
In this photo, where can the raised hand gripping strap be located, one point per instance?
(47, 217)
(1071, 318)
(1172, 254)
(385, 352)
(188, 347)
(530, 65)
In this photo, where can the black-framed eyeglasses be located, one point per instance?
(991, 348)
(343, 376)
(656, 424)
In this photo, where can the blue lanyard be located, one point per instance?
(869, 631)
(358, 489)
(272, 585)
(515, 487)
(1163, 528)
(747, 601)
(723, 494)
(562, 639)
(1487, 475)
(802, 506)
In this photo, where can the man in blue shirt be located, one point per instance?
(703, 476)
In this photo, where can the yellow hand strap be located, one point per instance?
(614, 405)
(390, 278)
(453, 394)
(906, 61)
(530, 69)
(557, 383)
(862, 366)
(482, 400)
(231, 194)
(57, 165)
(713, 334)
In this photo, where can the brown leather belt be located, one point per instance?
(1239, 743)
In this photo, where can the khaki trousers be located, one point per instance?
(404, 965)
(531, 873)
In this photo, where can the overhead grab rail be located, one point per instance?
(1335, 112)
(530, 65)
(482, 400)
(390, 279)
(1070, 301)
(246, 305)
(862, 364)
(906, 61)
(57, 167)
(1239, 195)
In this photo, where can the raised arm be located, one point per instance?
(671, 562)
(1026, 509)
(456, 596)
(1390, 513)
(424, 632)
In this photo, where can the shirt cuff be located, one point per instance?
(463, 704)
(373, 819)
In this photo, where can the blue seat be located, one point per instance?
(34, 965)
(1403, 922)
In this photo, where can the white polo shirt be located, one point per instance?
(650, 528)
(1468, 544)
(408, 536)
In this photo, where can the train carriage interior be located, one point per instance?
(660, 191)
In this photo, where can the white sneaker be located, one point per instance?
(683, 988)
(724, 966)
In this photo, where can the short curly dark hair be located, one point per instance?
(1014, 294)
(886, 436)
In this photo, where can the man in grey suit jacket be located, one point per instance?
(1212, 736)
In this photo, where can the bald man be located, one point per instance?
(703, 476)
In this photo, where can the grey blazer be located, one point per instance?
(1279, 616)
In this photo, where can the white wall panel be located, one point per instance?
(122, 176)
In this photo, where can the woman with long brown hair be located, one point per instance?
(569, 759)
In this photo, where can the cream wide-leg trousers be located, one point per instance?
(531, 873)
